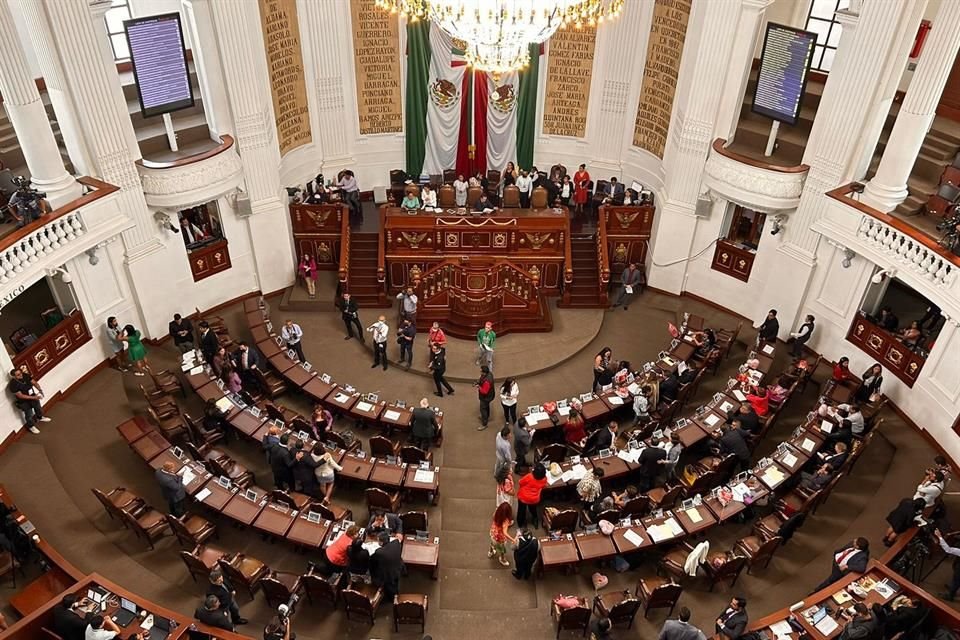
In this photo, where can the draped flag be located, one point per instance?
(471, 120)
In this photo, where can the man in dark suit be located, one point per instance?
(225, 595)
(386, 565)
(247, 360)
(681, 629)
(423, 426)
(281, 463)
(351, 317)
(749, 420)
(171, 486)
(835, 459)
(862, 626)
(669, 388)
(209, 343)
(734, 441)
(851, 558)
(438, 366)
(383, 522)
(181, 330)
(769, 328)
(733, 621)
(304, 477)
(68, 622)
(210, 613)
(602, 438)
(649, 467)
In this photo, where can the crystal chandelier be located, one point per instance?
(497, 32)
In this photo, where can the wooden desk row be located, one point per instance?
(251, 507)
(339, 399)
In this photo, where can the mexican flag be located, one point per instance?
(460, 118)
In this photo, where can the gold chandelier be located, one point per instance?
(497, 32)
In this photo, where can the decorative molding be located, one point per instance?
(192, 184)
(754, 187)
(907, 251)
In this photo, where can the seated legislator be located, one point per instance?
(410, 202)
(483, 205)
(69, 621)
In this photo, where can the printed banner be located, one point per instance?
(281, 35)
(569, 70)
(376, 62)
(664, 51)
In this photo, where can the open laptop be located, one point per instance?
(161, 628)
(126, 613)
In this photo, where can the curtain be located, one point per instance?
(445, 94)
(527, 109)
(502, 121)
(418, 66)
(481, 98)
(464, 164)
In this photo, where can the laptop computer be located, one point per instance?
(161, 628)
(126, 613)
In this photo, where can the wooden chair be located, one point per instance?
(619, 606)
(673, 561)
(191, 531)
(636, 506)
(449, 176)
(556, 452)
(705, 480)
(322, 588)
(160, 402)
(557, 172)
(493, 183)
(564, 521)
(447, 196)
(414, 521)
(577, 617)
(808, 374)
(722, 566)
(48, 634)
(167, 381)
(610, 515)
(149, 524)
(117, 501)
(381, 447)
(338, 439)
(780, 525)
(281, 413)
(658, 593)
(199, 434)
(238, 474)
(205, 453)
(511, 197)
(664, 497)
(473, 195)
(726, 339)
(172, 427)
(409, 608)
(380, 499)
(278, 587)
(201, 561)
(244, 571)
(411, 454)
(538, 198)
(362, 599)
(856, 450)
(758, 549)
(332, 512)
(292, 499)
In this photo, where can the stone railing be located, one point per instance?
(753, 184)
(907, 250)
(192, 180)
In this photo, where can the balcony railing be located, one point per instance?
(49, 234)
(193, 179)
(754, 184)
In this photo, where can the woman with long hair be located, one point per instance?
(500, 534)
(506, 493)
(601, 368)
(509, 392)
(322, 422)
(232, 379)
(872, 379)
(135, 349)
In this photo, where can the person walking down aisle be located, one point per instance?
(135, 349)
(351, 317)
(486, 339)
(486, 393)
(380, 330)
(500, 534)
(630, 280)
(438, 366)
(681, 629)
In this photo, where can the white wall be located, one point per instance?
(792, 13)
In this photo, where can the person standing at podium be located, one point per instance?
(486, 339)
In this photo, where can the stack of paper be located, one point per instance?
(564, 411)
(188, 476)
(739, 395)
(826, 426)
(196, 370)
(615, 400)
(364, 406)
(789, 459)
(424, 476)
(768, 349)
(772, 476)
(781, 629)
(808, 445)
(629, 455)
(827, 625)
(660, 532)
(203, 495)
(634, 388)
(711, 420)
(694, 515)
(531, 419)
(633, 538)
(674, 527)
(578, 471)
(391, 415)
(341, 397)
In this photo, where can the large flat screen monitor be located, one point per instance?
(784, 67)
(159, 60)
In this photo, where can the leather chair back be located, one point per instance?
(511, 197)
(380, 499)
(274, 412)
(381, 447)
(565, 521)
(409, 609)
(765, 551)
(664, 596)
(610, 515)
(447, 196)
(322, 588)
(573, 618)
(357, 603)
(473, 194)
(729, 570)
(414, 521)
(397, 176)
(275, 591)
(183, 534)
(449, 176)
(112, 510)
(279, 496)
(555, 452)
(557, 172)
(198, 571)
(624, 611)
(538, 199)
(670, 496)
(413, 455)
(636, 507)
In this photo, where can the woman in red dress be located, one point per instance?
(580, 181)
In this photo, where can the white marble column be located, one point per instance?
(704, 63)
(27, 114)
(888, 188)
(98, 11)
(237, 25)
(738, 70)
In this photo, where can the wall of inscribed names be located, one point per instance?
(569, 70)
(376, 63)
(281, 36)
(664, 51)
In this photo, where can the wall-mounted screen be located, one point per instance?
(784, 67)
(159, 60)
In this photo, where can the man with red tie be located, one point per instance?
(853, 557)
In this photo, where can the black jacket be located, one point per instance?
(861, 629)
(348, 309)
(281, 460)
(901, 518)
(769, 330)
(424, 423)
(393, 524)
(438, 362)
(386, 566)
(303, 473)
(733, 442)
(171, 486)
(649, 460)
(223, 592)
(68, 625)
(175, 329)
(669, 388)
(254, 357)
(217, 618)
(733, 626)
(527, 551)
(209, 343)
(749, 421)
(856, 563)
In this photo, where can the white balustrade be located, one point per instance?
(40, 243)
(907, 251)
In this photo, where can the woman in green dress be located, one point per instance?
(135, 349)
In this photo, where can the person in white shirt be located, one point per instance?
(460, 186)
(380, 330)
(101, 628)
(351, 191)
(931, 487)
(429, 197)
(408, 305)
(509, 392)
(292, 334)
(525, 185)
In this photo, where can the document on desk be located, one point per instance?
(634, 389)
(196, 370)
(772, 476)
(391, 415)
(629, 455)
(578, 471)
(726, 406)
(187, 475)
(789, 459)
(826, 426)
(660, 532)
(615, 400)
(363, 406)
(711, 420)
(424, 476)
(674, 526)
(633, 538)
(808, 445)
(827, 625)
(564, 411)
(781, 629)
(341, 398)
(768, 349)
(552, 479)
(531, 419)
(567, 476)
(224, 404)
(739, 395)
(203, 494)
(694, 515)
